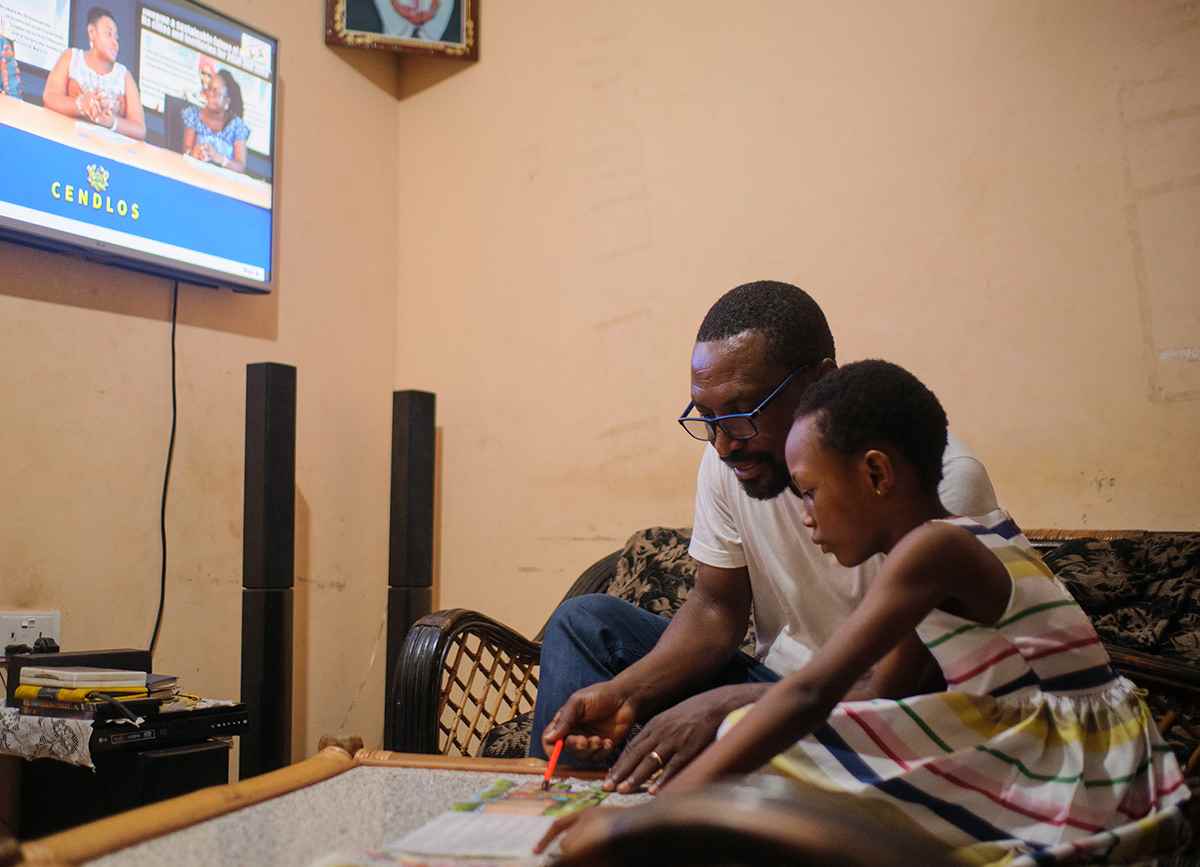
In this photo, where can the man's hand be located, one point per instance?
(593, 722)
(675, 737)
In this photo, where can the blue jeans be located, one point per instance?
(595, 637)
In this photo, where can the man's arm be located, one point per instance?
(699, 642)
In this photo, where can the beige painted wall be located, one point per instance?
(995, 194)
(999, 195)
(86, 402)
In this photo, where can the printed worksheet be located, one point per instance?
(505, 821)
(529, 799)
(497, 828)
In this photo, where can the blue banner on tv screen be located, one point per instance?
(55, 179)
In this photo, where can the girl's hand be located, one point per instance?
(582, 829)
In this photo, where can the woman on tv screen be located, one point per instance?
(216, 133)
(93, 85)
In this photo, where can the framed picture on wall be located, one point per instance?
(443, 27)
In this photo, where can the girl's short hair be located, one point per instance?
(873, 402)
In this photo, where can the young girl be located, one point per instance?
(1038, 748)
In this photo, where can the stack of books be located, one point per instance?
(92, 693)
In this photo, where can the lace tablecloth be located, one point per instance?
(68, 740)
(45, 737)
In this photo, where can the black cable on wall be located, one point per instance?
(162, 581)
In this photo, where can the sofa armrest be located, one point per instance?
(459, 673)
(1174, 698)
(1149, 670)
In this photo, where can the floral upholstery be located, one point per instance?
(509, 739)
(1142, 592)
(654, 572)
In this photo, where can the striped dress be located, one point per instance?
(1039, 751)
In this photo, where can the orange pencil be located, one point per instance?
(558, 745)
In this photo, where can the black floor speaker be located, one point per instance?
(268, 567)
(410, 536)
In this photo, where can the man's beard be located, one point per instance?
(770, 484)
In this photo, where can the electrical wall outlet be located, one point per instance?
(24, 627)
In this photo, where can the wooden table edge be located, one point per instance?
(105, 836)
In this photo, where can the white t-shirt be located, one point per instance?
(801, 594)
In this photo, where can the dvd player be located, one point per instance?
(171, 728)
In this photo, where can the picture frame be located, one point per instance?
(446, 28)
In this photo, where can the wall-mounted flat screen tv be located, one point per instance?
(140, 132)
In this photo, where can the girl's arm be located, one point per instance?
(908, 669)
(934, 564)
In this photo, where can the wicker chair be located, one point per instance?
(465, 684)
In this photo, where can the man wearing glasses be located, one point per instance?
(608, 665)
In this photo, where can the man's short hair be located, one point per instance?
(796, 331)
(98, 12)
(872, 402)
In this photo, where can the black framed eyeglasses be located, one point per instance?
(736, 425)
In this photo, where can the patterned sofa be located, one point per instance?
(465, 684)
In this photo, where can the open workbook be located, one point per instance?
(498, 827)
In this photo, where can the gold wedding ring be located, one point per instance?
(654, 755)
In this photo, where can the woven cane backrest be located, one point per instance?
(483, 684)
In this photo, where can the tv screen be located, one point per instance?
(140, 132)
